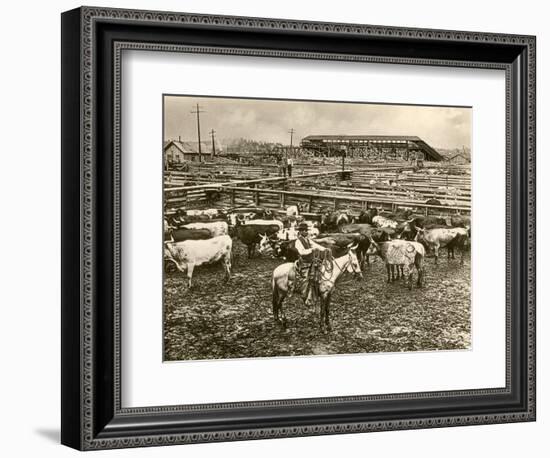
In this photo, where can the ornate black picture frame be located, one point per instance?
(92, 42)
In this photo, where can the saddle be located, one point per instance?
(309, 273)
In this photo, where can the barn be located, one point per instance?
(177, 152)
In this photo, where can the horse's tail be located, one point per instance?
(275, 292)
(419, 260)
(419, 264)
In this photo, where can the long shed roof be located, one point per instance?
(428, 150)
(362, 137)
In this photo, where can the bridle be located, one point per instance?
(341, 268)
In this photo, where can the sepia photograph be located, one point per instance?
(312, 227)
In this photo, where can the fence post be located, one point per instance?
(232, 199)
(282, 199)
(256, 196)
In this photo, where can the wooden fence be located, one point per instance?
(197, 195)
(312, 202)
(412, 193)
(315, 202)
(322, 190)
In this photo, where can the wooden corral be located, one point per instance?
(388, 188)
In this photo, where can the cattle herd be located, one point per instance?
(402, 240)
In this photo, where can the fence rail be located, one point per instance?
(274, 193)
(312, 202)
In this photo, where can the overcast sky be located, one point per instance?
(270, 120)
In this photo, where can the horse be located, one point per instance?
(284, 276)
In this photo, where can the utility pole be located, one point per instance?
(212, 132)
(291, 132)
(197, 112)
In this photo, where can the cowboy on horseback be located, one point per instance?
(314, 275)
(307, 267)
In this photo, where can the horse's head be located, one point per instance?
(406, 229)
(353, 266)
(420, 234)
(266, 246)
(232, 219)
(374, 247)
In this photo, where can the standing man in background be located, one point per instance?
(289, 166)
(281, 166)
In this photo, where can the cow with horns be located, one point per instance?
(251, 232)
(441, 237)
(402, 256)
(188, 254)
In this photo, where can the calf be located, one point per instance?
(188, 254)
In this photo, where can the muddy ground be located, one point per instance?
(217, 320)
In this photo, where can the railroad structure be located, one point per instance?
(376, 147)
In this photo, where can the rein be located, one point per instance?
(341, 269)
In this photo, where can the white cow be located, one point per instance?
(188, 254)
(216, 228)
(400, 256)
(450, 238)
(210, 212)
(292, 210)
(383, 222)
